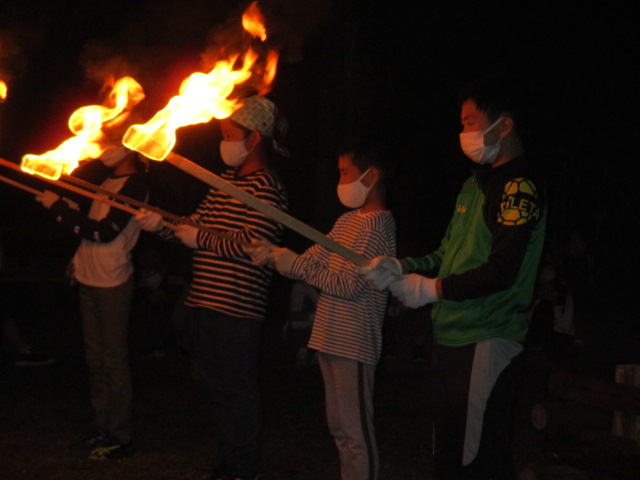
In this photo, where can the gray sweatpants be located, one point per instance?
(349, 388)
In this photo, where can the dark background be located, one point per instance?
(349, 67)
(346, 67)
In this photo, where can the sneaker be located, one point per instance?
(120, 450)
(30, 358)
(101, 446)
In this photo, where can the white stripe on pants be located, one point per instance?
(349, 388)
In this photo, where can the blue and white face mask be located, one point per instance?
(473, 146)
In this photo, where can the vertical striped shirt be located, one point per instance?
(349, 314)
(224, 278)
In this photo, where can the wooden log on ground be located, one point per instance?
(594, 451)
(573, 416)
(596, 393)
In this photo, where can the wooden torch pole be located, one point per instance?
(262, 207)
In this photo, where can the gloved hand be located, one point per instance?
(47, 198)
(283, 259)
(260, 251)
(149, 221)
(187, 235)
(381, 272)
(414, 290)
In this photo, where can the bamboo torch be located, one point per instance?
(203, 97)
(117, 200)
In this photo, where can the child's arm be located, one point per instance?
(334, 275)
(339, 279)
(254, 225)
(106, 229)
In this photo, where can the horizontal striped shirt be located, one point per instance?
(349, 315)
(223, 277)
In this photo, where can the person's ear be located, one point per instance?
(253, 140)
(372, 176)
(507, 126)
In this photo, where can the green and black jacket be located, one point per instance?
(488, 258)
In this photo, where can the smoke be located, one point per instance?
(14, 47)
(165, 41)
(292, 24)
(66, 53)
(289, 24)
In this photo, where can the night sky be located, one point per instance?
(349, 66)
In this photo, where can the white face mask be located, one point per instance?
(112, 156)
(353, 195)
(233, 153)
(473, 146)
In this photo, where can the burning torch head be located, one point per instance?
(112, 156)
(261, 114)
(113, 132)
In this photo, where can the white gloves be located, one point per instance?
(149, 221)
(381, 272)
(263, 252)
(188, 235)
(47, 198)
(414, 290)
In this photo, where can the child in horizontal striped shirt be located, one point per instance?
(228, 293)
(347, 329)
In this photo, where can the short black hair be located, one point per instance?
(495, 95)
(367, 153)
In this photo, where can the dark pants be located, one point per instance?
(227, 350)
(459, 411)
(105, 328)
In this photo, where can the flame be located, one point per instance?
(203, 97)
(3, 85)
(86, 124)
(253, 21)
(270, 68)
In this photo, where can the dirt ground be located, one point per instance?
(45, 409)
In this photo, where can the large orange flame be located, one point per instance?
(203, 97)
(86, 124)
